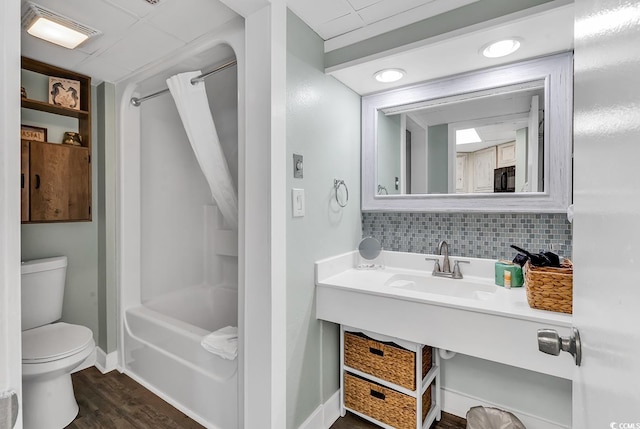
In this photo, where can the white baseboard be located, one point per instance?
(458, 404)
(106, 362)
(325, 415)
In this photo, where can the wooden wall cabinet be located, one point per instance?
(56, 178)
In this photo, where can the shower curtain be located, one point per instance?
(193, 107)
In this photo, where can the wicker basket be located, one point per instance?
(383, 404)
(387, 361)
(550, 288)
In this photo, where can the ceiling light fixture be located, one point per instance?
(55, 28)
(469, 135)
(500, 48)
(389, 75)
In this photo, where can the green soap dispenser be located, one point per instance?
(514, 273)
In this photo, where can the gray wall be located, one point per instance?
(79, 242)
(389, 152)
(438, 159)
(323, 124)
(105, 214)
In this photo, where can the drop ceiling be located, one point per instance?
(541, 33)
(135, 33)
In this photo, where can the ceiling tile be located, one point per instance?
(387, 8)
(315, 12)
(139, 8)
(38, 49)
(102, 69)
(340, 26)
(189, 19)
(360, 4)
(94, 13)
(142, 45)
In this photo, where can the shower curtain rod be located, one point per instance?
(138, 101)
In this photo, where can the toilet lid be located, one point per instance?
(54, 341)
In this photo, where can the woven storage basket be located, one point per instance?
(550, 288)
(387, 361)
(383, 404)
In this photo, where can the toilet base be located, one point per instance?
(48, 403)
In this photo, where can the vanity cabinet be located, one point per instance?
(391, 382)
(55, 177)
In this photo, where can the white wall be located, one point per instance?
(323, 125)
(174, 191)
(10, 357)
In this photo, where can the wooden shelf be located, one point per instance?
(56, 178)
(27, 103)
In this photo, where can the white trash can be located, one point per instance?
(492, 418)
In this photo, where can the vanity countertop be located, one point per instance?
(339, 272)
(472, 315)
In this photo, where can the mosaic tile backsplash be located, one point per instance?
(474, 235)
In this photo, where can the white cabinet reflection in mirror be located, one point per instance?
(418, 146)
(497, 139)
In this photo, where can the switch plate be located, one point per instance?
(297, 200)
(297, 166)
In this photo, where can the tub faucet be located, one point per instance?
(446, 266)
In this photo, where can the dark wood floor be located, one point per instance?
(351, 421)
(115, 401)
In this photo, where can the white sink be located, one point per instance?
(459, 288)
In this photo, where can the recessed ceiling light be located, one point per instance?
(500, 48)
(389, 75)
(470, 135)
(55, 28)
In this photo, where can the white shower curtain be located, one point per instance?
(193, 107)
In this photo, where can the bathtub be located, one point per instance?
(163, 352)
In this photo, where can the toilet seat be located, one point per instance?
(54, 342)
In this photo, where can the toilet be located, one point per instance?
(51, 350)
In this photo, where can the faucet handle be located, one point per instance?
(457, 274)
(436, 265)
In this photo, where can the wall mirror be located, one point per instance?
(494, 140)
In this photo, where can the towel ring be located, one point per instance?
(337, 183)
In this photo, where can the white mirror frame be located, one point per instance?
(555, 70)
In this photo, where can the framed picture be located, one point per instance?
(28, 132)
(64, 92)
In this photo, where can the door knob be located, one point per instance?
(551, 343)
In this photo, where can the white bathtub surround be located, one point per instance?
(223, 342)
(193, 107)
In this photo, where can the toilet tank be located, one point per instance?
(42, 291)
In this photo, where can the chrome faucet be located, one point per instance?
(446, 264)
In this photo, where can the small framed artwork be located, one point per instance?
(37, 134)
(64, 92)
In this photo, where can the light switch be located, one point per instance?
(297, 198)
(297, 166)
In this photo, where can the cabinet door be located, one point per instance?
(507, 155)
(24, 180)
(59, 182)
(484, 162)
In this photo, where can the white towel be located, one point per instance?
(223, 342)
